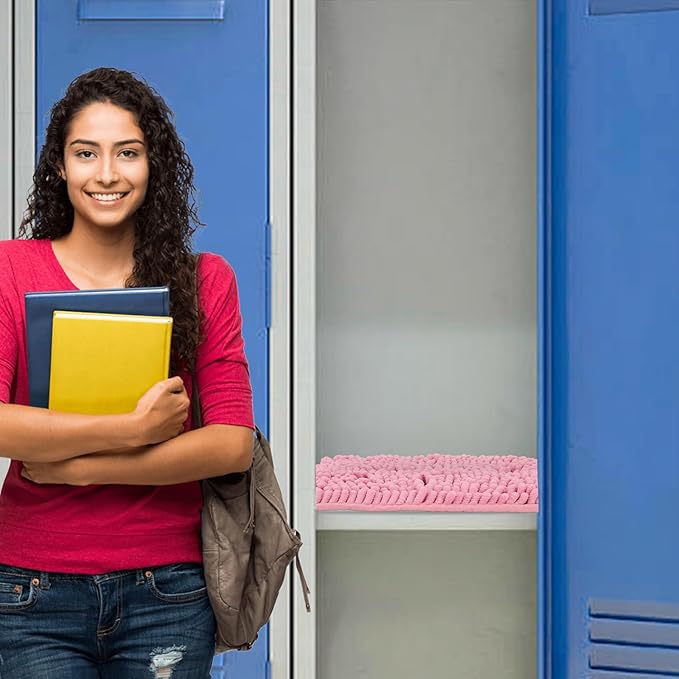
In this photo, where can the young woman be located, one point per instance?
(100, 554)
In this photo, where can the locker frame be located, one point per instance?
(544, 349)
(24, 107)
(303, 319)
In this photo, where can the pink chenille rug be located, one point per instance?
(431, 483)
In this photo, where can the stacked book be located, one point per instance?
(96, 351)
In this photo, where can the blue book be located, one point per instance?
(40, 307)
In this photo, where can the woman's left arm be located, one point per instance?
(209, 451)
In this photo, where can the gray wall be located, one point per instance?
(426, 226)
(426, 318)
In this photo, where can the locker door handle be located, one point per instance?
(151, 10)
(630, 6)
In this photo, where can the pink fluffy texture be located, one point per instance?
(431, 483)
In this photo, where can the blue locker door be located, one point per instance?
(209, 60)
(610, 457)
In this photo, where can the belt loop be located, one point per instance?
(44, 580)
(140, 576)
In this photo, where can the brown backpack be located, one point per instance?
(247, 545)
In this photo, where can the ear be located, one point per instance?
(62, 172)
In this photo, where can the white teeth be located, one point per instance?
(107, 196)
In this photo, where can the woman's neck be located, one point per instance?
(96, 259)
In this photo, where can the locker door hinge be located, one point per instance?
(267, 275)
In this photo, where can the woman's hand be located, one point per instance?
(162, 411)
(71, 472)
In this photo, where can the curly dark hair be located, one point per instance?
(164, 223)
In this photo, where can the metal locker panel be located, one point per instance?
(209, 61)
(609, 370)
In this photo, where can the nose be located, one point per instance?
(107, 173)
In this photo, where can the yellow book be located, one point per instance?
(102, 364)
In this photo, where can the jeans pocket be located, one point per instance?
(178, 583)
(17, 590)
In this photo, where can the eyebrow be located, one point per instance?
(88, 142)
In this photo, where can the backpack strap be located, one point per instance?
(305, 588)
(198, 422)
(196, 416)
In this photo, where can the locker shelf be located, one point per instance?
(356, 520)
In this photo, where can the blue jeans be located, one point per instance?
(147, 623)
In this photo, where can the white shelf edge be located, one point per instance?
(357, 520)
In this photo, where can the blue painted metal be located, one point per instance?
(635, 610)
(631, 6)
(230, 666)
(214, 76)
(147, 10)
(267, 259)
(610, 376)
(237, 667)
(635, 659)
(218, 670)
(606, 674)
(659, 634)
(634, 636)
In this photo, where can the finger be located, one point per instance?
(181, 398)
(175, 384)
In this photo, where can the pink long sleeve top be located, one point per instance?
(101, 528)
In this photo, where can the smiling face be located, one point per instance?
(105, 167)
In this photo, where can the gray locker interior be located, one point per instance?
(426, 319)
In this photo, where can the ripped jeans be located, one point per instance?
(147, 623)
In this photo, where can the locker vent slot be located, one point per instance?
(631, 6)
(604, 674)
(633, 637)
(151, 10)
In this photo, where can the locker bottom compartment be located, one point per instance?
(453, 605)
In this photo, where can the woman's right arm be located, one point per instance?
(39, 435)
